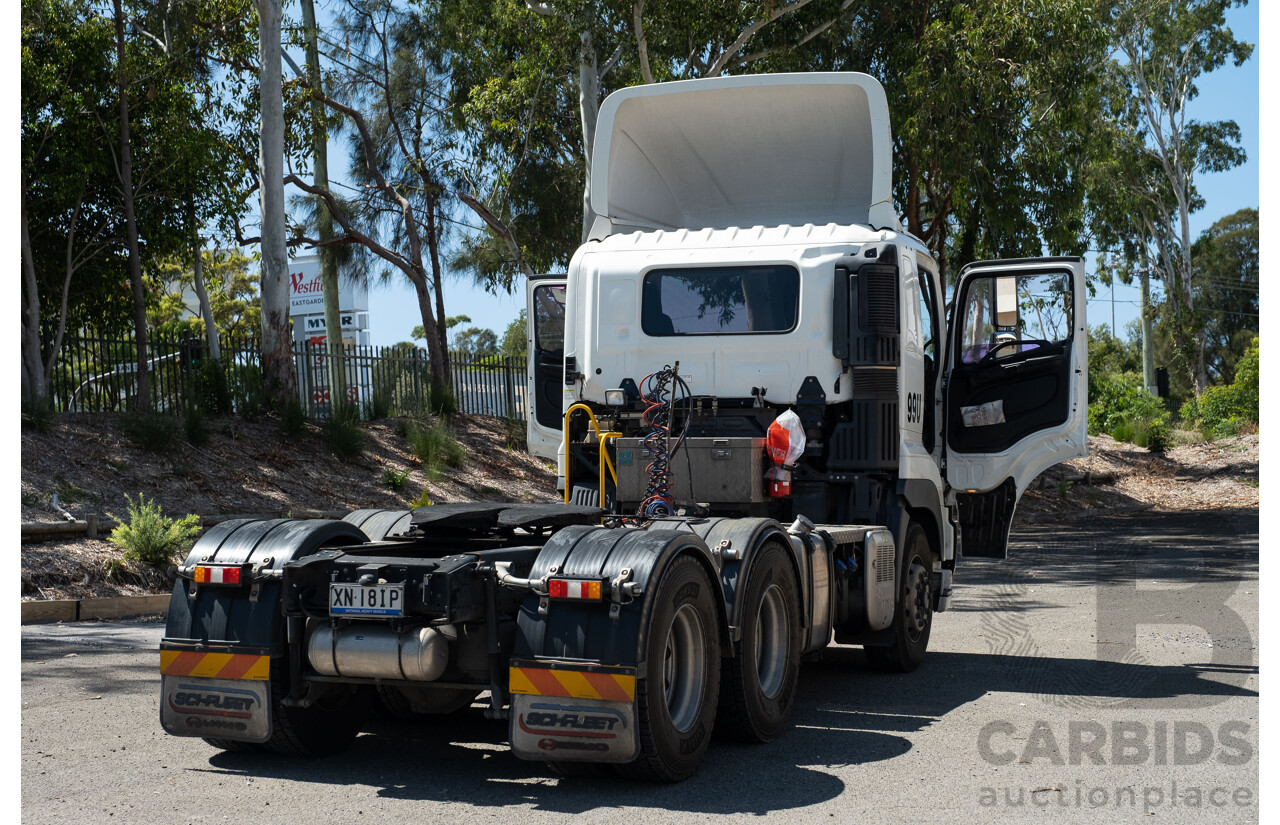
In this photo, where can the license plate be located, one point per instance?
(371, 600)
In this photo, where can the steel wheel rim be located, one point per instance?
(772, 633)
(684, 667)
(917, 607)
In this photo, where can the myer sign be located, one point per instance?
(306, 294)
(314, 324)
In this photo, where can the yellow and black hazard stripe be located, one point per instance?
(611, 685)
(215, 665)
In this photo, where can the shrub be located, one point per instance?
(38, 415)
(193, 424)
(441, 400)
(207, 387)
(157, 433)
(342, 431)
(379, 405)
(293, 418)
(245, 386)
(150, 536)
(1223, 411)
(1120, 406)
(435, 447)
(392, 480)
(421, 501)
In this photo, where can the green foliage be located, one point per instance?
(435, 446)
(1225, 258)
(1158, 436)
(38, 416)
(151, 537)
(514, 341)
(245, 386)
(293, 418)
(342, 431)
(1223, 410)
(1120, 406)
(379, 404)
(151, 431)
(393, 480)
(207, 387)
(441, 400)
(194, 426)
(421, 501)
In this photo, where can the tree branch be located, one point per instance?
(642, 45)
(719, 65)
(499, 227)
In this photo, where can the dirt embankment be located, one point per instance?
(250, 467)
(244, 467)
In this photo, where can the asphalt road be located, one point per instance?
(1106, 673)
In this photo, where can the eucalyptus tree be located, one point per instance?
(529, 78)
(1162, 50)
(389, 85)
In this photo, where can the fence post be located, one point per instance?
(510, 386)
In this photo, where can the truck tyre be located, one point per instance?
(323, 729)
(914, 617)
(758, 685)
(676, 701)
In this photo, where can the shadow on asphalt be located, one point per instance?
(845, 713)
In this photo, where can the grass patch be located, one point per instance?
(293, 418)
(149, 535)
(194, 426)
(155, 433)
(342, 432)
(394, 481)
(435, 446)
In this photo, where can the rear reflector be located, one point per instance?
(570, 589)
(217, 575)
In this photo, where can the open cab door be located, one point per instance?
(544, 331)
(1017, 387)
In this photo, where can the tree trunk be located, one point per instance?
(279, 381)
(589, 109)
(34, 389)
(202, 295)
(324, 221)
(433, 250)
(436, 355)
(1148, 356)
(143, 399)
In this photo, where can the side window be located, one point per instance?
(928, 317)
(1010, 315)
(548, 317)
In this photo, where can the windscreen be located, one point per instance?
(737, 300)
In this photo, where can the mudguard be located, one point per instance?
(610, 636)
(378, 524)
(735, 542)
(219, 641)
(247, 616)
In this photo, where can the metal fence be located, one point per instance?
(98, 373)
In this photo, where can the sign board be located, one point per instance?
(349, 321)
(306, 295)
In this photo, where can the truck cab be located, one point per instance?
(742, 229)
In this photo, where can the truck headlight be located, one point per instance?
(615, 398)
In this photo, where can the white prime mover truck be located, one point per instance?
(770, 433)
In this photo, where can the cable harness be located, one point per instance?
(656, 390)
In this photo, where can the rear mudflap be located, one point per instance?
(573, 712)
(197, 698)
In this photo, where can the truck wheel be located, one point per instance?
(323, 729)
(914, 617)
(676, 702)
(757, 686)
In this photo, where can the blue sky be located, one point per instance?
(1229, 93)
